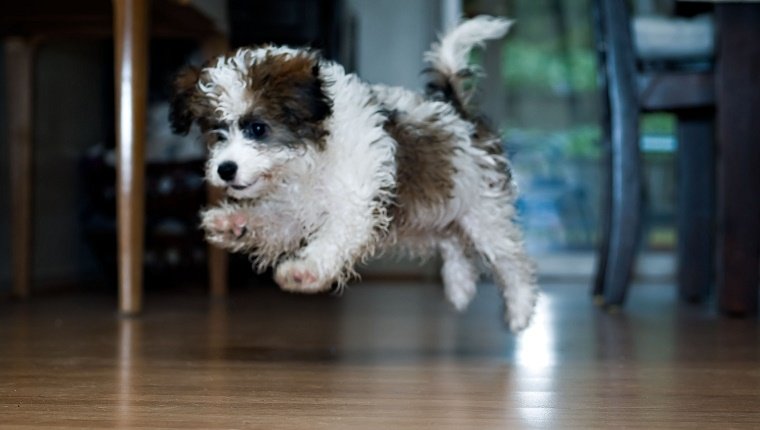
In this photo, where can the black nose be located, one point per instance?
(227, 170)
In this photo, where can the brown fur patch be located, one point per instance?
(287, 91)
(453, 89)
(488, 140)
(187, 103)
(448, 88)
(425, 172)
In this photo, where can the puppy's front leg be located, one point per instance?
(332, 250)
(229, 226)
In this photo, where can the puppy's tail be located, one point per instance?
(449, 70)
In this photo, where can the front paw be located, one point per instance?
(300, 276)
(224, 226)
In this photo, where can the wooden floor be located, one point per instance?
(381, 356)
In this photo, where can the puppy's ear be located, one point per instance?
(293, 87)
(185, 97)
(311, 94)
(307, 104)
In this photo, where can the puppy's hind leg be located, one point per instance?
(498, 239)
(458, 272)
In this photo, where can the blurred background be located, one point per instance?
(540, 88)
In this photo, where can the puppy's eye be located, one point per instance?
(254, 129)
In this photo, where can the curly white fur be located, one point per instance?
(314, 212)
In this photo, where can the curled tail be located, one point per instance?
(449, 69)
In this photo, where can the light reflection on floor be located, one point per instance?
(535, 360)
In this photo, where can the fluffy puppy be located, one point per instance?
(323, 170)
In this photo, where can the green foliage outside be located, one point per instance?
(581, 141)
(533, 67)
(658, 123)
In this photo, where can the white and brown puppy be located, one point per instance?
(323, 170)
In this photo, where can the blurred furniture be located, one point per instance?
(622, 191)
(676, 81)
(689, 90)
(319, 24)
(24, 25)
(174, 250)
(738, 100)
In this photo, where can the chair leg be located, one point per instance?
(696, 206)
(626, 196)
(625, 222)
(739, 161)
(131, 70)
(605, 211)
(606, 188)
(19, 64)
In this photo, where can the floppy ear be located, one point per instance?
(185, 100)
(292, 87)
(305, 103)
(308, 101)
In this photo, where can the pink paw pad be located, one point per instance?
(304, 277)
(301, 277)
(239, 222)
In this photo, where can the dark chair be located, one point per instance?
(633, 83)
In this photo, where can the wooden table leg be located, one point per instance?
(217, 257)
(738, 104)
(19, 65)
(131, 70)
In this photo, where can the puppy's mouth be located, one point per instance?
(263, 178)
(243, 187)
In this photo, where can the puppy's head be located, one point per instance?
(261, 110)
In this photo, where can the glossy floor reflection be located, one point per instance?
(380, 356)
